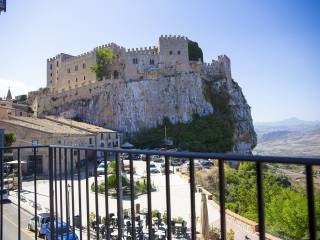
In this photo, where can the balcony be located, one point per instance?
(138, 194)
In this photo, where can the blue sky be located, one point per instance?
(274, 45)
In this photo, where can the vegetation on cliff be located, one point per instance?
(195, 52)
(105, 56)
(286, 209)
(212, 133)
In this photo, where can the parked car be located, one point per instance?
(5, 195)
(7, 183)
(176, 162)
(153, 168)
(42, 220)
(61, 229)
(206, 164)
(100, 169)
(157, 158)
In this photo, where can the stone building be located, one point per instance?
(66, 72)
(10, 107)
(36, 131)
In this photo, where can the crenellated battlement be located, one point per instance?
(173, 37)
(146, 50)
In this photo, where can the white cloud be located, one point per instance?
(17, 87)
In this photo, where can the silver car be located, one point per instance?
(42, 220)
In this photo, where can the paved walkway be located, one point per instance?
(180, 199)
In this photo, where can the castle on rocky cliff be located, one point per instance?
(141, 87)
(66, 72)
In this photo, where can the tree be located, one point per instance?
(9, 139)
(105, 56)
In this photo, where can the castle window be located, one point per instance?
(76, 68)
(135, 61)
(151, 61)
(178, 52)
(51, 66)
(50, 74)
(84, 77)
(68, 70)
(76, 79)
(115, 74)
(57, 63)
(170, 52)
(84, 65)
(20, 114)
(101, 136)
(90, 90)
(90, 140)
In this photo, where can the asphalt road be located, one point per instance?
(10, 223)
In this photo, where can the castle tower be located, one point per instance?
(9, 95)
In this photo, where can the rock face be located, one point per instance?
(131, 105)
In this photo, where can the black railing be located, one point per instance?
(62, 166)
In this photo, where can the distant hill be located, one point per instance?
(290, 137)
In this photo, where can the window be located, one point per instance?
(179, 52)
(151, 61)
(20, 114)
(84, 65)
(68, 70)
(115, 74)
(76, 79)
(170, 52)
(57, 63)
(50, 74)
(135, 61)
(101, 136)
(51, 66)
(90, 140)
(76, 68)
(84, 77)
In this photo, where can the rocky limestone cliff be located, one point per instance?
(130, 106)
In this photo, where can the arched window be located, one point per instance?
(115, 74)
(151, 61)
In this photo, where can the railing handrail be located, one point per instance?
(187, 154)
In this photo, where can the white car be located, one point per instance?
(100, 169)
(153, 168)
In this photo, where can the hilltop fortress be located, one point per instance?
(141, 87)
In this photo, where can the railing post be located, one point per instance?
(96, 188)
(132, 195)
(149, 215)
(106, 192)
(222, 191)
(79, 193)
(51, 192)
(168, 196)
(19, 195)
(119, 196)
(311, 208)
(87, 195)
(1, 178)
(60, 183)
(72, 189)
(260, 200)
(192, 200)
(35, 192)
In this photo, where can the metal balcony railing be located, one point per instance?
(66, 170)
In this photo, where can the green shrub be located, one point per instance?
(195, 52)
